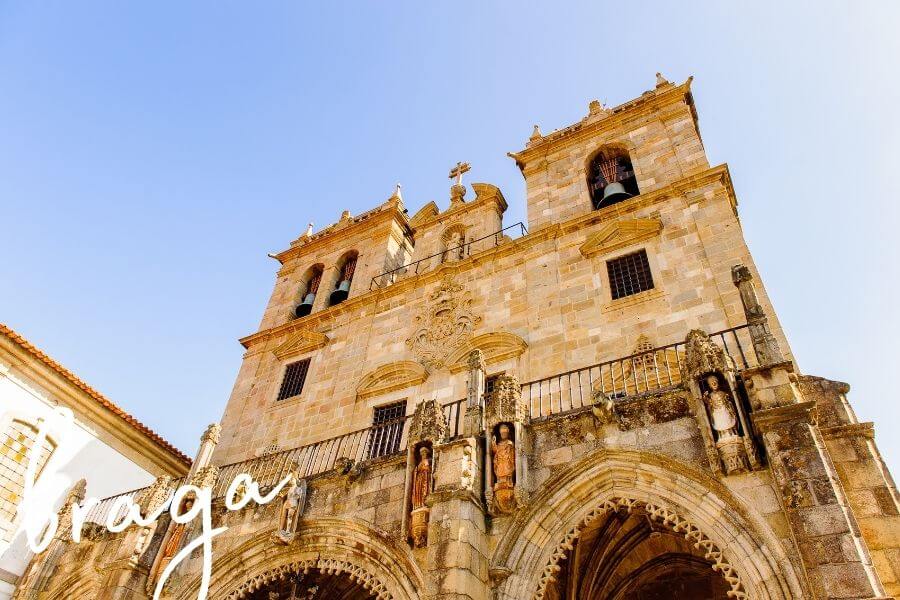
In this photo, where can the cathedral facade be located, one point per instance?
(597, 404)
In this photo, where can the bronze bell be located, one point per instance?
(614, 192)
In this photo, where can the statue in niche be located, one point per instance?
(721, 408)
(291, 509)
(421, 486)
(174, 542)
(503, 453)
(455, 248)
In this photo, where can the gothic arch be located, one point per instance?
(80, 585)
(689, 502)
(341, 546)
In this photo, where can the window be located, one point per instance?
(294, 378)
(15, 448)
(611, 179)
(387, 429)
(629, 275)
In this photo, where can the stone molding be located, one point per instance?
(330, 566)
(620, 234)
(852, 430)
(765, 420)
(391, 377)
(659, 514)
(300, 342)
(496, 347)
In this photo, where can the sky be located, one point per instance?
(152, 154)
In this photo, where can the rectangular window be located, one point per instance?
(294, 378)
(629, 275)
(387, 429)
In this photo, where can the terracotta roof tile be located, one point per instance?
(100, 398)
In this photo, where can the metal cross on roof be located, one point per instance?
(458, 170)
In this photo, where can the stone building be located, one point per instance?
(32, 386)
(602, 406)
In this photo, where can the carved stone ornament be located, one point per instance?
(702, 356)
(76, 495)
(428, 423)
(506, 403)
(155, 495)
(445, 324)
(205, 477)
(212, 434)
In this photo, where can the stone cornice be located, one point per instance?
(588, 128)
(765, 420)
(334, 233)
(852, 430)
(622, 209)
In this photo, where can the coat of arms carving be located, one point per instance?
(444, 325)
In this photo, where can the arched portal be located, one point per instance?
(618, 500)
(340, 555)
(630, 551)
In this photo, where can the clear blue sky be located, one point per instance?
(152, 153)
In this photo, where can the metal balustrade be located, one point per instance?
(658, 369)
(654, 370)
(462, 251)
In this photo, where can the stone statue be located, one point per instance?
(174, 543)
(422, 478)
(721, 408)
(421, 486)
(503, 453)
(291, 509)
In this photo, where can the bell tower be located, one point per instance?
(612, 154)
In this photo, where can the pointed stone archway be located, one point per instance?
(346, 556)
(710, 531)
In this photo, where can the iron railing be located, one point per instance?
(657, 369)
(652, 370)
(462, 251)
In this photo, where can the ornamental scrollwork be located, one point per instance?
(444, 325)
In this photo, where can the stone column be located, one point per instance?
(474, 394)
(871, 491)
(834, 555)
(455, 548)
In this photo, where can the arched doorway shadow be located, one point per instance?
(736, 543)
(349, 556)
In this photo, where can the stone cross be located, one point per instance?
(458, 170)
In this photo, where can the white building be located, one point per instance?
(105, 445)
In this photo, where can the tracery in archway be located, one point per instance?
(312, 585)
(626, 555)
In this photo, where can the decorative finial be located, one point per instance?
(345, 216)
(397, 194)
(536, 134)
(458, 190)
(660, 80)
(309, 230)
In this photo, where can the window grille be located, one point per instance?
(387, 429)
(349, 269)
(629, 275)
(490, 385)
(294, 378)
(15, 449)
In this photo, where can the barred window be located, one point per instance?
(387, 429)
(17, 443)
(294, 378)
(490, 384)
(629, 275)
